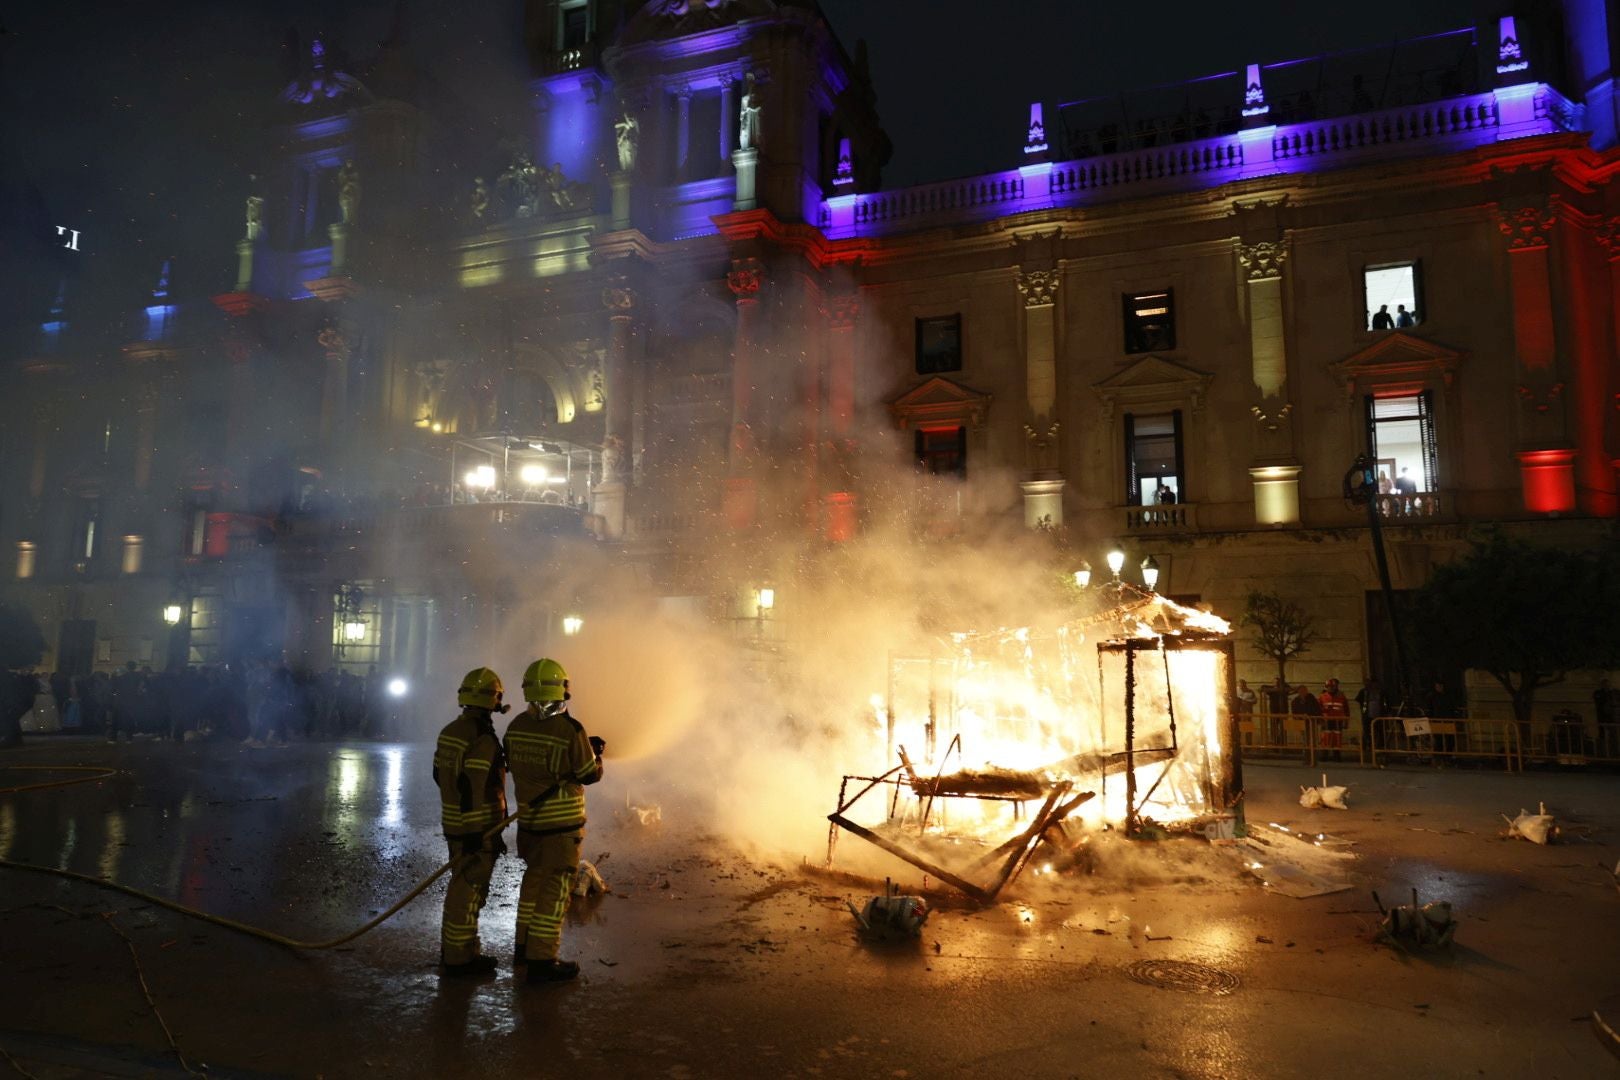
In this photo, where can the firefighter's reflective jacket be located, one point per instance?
(544, 751)
(470, 769)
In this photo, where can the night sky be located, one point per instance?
(137, 122)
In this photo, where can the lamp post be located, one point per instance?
(1082, 576)
(764, 601)
(1116, 562)
(1150, 573)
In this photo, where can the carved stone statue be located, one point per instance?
(255, 211)
(557, 187)
(523, 179)
(748, 117)
(348, 179)
(627, 131)
(480, 200)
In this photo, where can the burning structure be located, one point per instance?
(1120, 719)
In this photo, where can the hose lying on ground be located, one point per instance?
(244, 928)
(101, 773)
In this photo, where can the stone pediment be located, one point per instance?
(1153, 378)
(1397, 358)
(940, 401)
(665, 19)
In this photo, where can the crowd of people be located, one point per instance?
(257, 702)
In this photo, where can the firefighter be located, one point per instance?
(469, 767)
(551, 759)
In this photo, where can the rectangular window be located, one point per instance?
(26, 553)
(197, 534)
(1155, 468)
(134, 548)
(942, 451)
(1400, 437)
(576, 26)
(939, 344)
(85, 531)
(1150, 322)
(1393, 294)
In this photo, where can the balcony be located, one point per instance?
(1403, 509)
(1160, 520)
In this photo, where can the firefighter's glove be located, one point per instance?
(598, 745)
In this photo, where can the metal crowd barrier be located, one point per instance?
(1424, 740)
(1433, 741)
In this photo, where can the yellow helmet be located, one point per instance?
(545, 681)
(481, 689)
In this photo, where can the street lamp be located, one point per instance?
(398, 687)
(1082, 576)
(172, 614)
(572, 625)
(1150, 573)
(767, 600)
(532, 475)
(1116, 561)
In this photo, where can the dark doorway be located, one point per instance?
(76, 647)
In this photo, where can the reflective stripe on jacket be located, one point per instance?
(469, 768)
(543, 751)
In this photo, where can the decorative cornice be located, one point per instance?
(842, 309)
(619, 299)
(1526, 226)
(1264, 260)
(1397, 358)
(744, 278)
(1271, 421)
(940, 401)
(238, 304)
(1039, 287)
(337, 287)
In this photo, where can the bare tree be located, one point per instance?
(1282, 629)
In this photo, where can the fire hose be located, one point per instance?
(99, 773)
(232, 924)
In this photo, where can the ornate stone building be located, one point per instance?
(680, 309)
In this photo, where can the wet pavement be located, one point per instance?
(1169, 960)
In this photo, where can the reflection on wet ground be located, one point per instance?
(707, 963)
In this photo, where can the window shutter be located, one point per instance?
(1181, 460)
(1372, 430)
(961, 451)
(1133, 486)
(1431, 457)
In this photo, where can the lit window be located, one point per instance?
(939, 344)
(1155, 472)
(133, 550)
(85, 534)
(1400, 437)
(576, 25)
(1150, 322)
(26, 553)
(199, 532)
(942, 451)
(1393, 296)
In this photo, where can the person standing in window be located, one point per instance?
(1167, 495)
(1382, 320)
(1403, 318)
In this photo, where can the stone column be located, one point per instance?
(620, 301)
(840, 505)
(1275, 469)
(683, 132)
(1543, 436)
(334, 384)
(742, 495)
(1527, 225)
(1043, 487)
(728, 121)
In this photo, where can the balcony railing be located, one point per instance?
(1166, 518)
(1442, 126)
(1425, 506)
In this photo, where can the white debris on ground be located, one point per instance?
(1429, 926)
(1538, 828)
(891, 917)
(587, 882)
(644, 816)
(1298, 865)
(1331, 797)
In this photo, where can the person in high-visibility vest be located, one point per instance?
(551, 759)
(469, 768)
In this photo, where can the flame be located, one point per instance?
(1047, 705)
